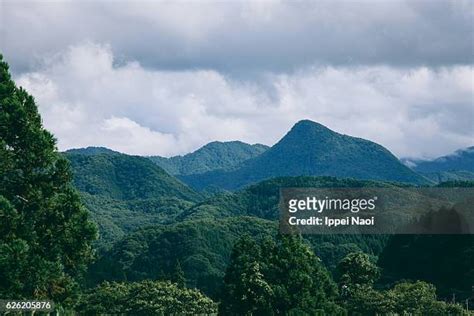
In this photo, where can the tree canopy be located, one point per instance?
(46, 235)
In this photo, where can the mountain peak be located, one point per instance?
(214, 155)
(308, 124)
(91, 150)
(312, 149)
(307, 128)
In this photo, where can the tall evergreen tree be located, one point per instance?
(277, 277)
(45, 233)
(246, 292)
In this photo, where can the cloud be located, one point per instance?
(88, 98)
(243, 37)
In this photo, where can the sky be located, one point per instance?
(166, 77)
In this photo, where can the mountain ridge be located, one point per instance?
(312, 149)
(458, 165)
(212, 156)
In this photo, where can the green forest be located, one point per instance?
(103, 233)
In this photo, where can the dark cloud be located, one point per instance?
(244, 37)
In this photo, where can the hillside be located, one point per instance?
(261, 199)
(215, 155)
(456, 166)
(312, 149)
(462, 159)
(125, 177)
(202, 248)
(126, 192)
(201, 239)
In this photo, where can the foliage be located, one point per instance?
(178, 275)
(125, 177)
(213, 156)
(444, 260)
(261, 200)
(46, 235)
(419, 298)
(124, 193)
(202, 248)
(145, 298)
(356, 268)
(281, 276)
(456, 184)
(449, 176)
(117, 218)
(364, 300)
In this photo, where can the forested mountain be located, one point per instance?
(125, 177)
(261, 199)
(91, 151)
(456, 166)
(215, 155)
(462, 159)
(312, 149)
(201, 247)
(126, 192)
(203, 235)
(166, 243)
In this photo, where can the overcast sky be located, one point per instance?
(164, 78)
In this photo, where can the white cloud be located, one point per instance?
(87, 98)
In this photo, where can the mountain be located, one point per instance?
(262, 199)
(125, 177)
(90, 151)
(201, 239)
(202, 247)
(215, 155)
(456, 166)
(125, 192)
(462, 159)
(312, 149)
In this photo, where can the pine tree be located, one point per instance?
(45, 240)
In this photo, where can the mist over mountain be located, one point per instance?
(456, 166)
(462, 159)
(312, 149)
(215, 155)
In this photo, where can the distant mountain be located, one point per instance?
(456, 166)
(443, 176)
(462, 159)
(90, 151)
(312, 149)
(215, 155)
(126, 192)
(125, 177)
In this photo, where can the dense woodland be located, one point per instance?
(100, 232)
